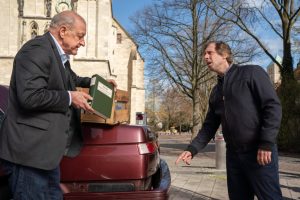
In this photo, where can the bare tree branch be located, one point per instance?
(171, 34)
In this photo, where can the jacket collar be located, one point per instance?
(58, 58)
(231, 68)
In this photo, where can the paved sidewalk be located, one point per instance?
(201, 180)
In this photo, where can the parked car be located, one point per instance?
(116, 162)
(4, 192)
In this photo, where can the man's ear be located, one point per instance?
(225, 55)
(62, 31)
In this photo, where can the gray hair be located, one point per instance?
(65, 18)
(222, 48)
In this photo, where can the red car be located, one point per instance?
(116, 162)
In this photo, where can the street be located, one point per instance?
(201, 180)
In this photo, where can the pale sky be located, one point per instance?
(123, 9)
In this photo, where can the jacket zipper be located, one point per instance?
(229, 134)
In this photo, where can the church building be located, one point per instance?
(109, 50)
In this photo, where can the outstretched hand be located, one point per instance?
(185, 156)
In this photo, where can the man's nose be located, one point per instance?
(82, 43)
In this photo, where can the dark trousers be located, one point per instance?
(27, 183)
(246, 178)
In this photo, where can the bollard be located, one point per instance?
(220, 152)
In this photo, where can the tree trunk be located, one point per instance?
(287, 96)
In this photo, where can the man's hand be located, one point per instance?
(79, 100)
(263, 157)
(185, 156)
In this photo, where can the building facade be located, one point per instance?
(109, 50)
(274, 72)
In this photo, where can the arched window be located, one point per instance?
(48, 4)
(119, 38)
(34, 29)
(20, 7)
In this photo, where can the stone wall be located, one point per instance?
(23, 19)
(5, 70)
(9, 35)
(129, 68)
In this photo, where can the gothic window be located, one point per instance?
(48, 4)
(33, 29)
(20, 7)
(119, 38)
(74, 4)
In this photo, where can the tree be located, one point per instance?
(171, 35)
(278, 17)
(249, 17)
(153, 96)
(296, 43)
(175, 109)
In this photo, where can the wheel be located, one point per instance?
(161, 180)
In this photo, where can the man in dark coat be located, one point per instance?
(245, 103)
(42, 123)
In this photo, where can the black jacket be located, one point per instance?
(246, 104)
(34, 131)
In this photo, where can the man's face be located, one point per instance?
(215, 61)
(73, 38)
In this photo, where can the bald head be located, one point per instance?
(65, 18)
(69, 29)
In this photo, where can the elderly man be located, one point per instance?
(43, 117)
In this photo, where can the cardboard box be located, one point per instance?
(121, 107)
(120, 110)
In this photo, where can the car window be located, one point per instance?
(1, 116)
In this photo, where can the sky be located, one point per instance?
(123, 9)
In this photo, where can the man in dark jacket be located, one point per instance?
(43, 118)
(245, 103)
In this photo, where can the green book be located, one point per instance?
(103, 96)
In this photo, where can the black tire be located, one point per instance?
(161, 180)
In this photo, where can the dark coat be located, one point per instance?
(38, 116)
(247, 106)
